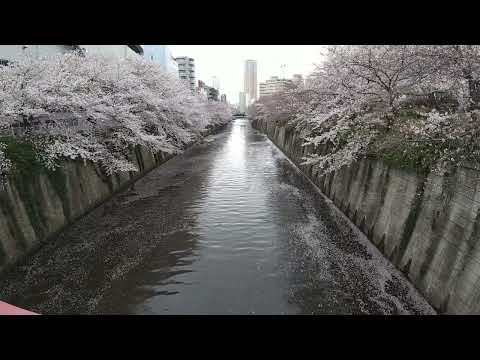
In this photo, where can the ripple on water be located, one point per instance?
(227, 227)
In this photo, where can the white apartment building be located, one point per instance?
(274, 85)
(186, 70)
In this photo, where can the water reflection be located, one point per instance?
(228, 227)
(235, 265)
(256, 239)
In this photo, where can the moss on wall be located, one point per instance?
(26, 170)
(12, 222)
(435, 242)
(410, 222)
(58, 179)
(416, 158)
(26, 183)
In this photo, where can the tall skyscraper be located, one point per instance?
(250, 81)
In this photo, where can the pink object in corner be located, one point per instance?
(7, 309)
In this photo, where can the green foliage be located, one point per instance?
(409, 152)
(410, 115)
(26, 169)
(409, 156)
(58, 179)
(411, 219)
(343, 137)
(22, 154)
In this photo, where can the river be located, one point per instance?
(228, 227)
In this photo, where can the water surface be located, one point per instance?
(228, 227)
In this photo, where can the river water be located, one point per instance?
(228, 227)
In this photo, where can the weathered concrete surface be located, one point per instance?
(228, 227)
(35, 209)
(428, 227)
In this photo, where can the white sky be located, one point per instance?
(227, 62)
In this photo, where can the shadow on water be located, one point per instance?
(228, 227)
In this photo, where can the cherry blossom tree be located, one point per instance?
(116, 103)
(362, 97)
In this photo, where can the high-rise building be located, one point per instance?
(274, 85)
(216, 83)
(242, 102)
(161, 54)
(186, 70)
(250, 81)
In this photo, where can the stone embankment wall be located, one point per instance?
(429, 227)
(34, 209)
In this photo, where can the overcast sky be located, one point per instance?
(227, 62)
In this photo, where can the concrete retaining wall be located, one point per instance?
(34, 210)
(429, 227)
